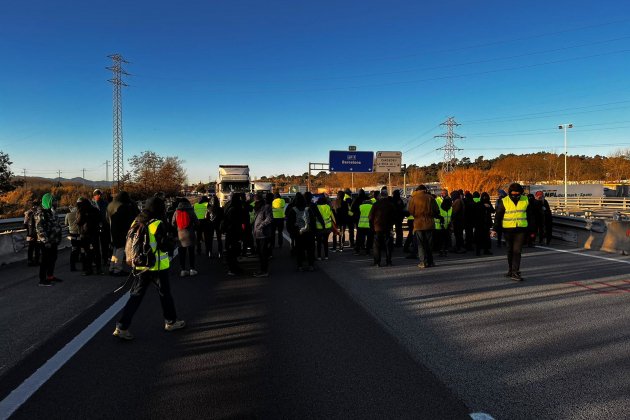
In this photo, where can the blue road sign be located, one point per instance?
(345, 161)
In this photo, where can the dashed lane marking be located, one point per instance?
(22, 393)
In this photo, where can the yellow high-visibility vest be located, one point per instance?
(200, 210)
(161, 257)
(364, 219)
(515, 214)
(326, 212)
(277, 207)
(445, 214)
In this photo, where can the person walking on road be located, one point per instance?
(186, 222)
(277, 205)
(121, 213)
(263, 231)
(48, 236)
(425, 210)
(214, 216)
(158, 273)
(458, 221)
(515, 218)
(31, 235)
(382, 218)
(443, 227)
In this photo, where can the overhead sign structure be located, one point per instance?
(345, 161)
(388, 162)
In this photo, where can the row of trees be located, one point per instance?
(479, 173)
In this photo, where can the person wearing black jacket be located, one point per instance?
(399, 206)
(483, 223)
(214, 216)
(516, 218)
(469, 221)
(152, 215)
(89, 222)
(31, 234)
(301, 222)
(340, 211)
(382, 217)
(233, 228)
(121, 213)
(545, 226)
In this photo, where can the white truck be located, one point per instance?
(232, 179)
(262, 186)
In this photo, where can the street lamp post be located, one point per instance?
(565, 127)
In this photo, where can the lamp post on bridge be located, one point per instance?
(565, 127)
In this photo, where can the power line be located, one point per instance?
(430, 79)
(449, 148)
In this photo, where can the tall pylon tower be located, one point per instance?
(116, 80)
(449, 148)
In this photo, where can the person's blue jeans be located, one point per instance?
(424, 239)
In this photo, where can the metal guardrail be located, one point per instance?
(17, 223)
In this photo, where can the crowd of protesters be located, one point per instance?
(254, 224)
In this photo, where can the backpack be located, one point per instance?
(302, 219)
(183, 219)
(138, 250)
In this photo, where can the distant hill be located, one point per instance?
(77, 180)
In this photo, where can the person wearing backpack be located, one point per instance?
(186, 222)
(150, 227)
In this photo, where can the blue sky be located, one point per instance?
(277, 84)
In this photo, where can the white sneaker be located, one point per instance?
(122, 334)
(183, 273)
(193, 272)
(174, 325)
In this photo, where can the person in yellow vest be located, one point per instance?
(203, 230)
(515, 218)
(277, 206)
(152, 215)
(323, 226)
(443, 226)
(365, 235)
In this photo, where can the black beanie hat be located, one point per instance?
(515, 186)
(155, 206)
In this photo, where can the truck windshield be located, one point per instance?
(227, 187)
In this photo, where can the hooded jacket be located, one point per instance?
(46, 224)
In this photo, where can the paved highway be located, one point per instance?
(348, 341)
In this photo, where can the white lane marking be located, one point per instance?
(22, 393)
(481, 416)
(584, 255)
